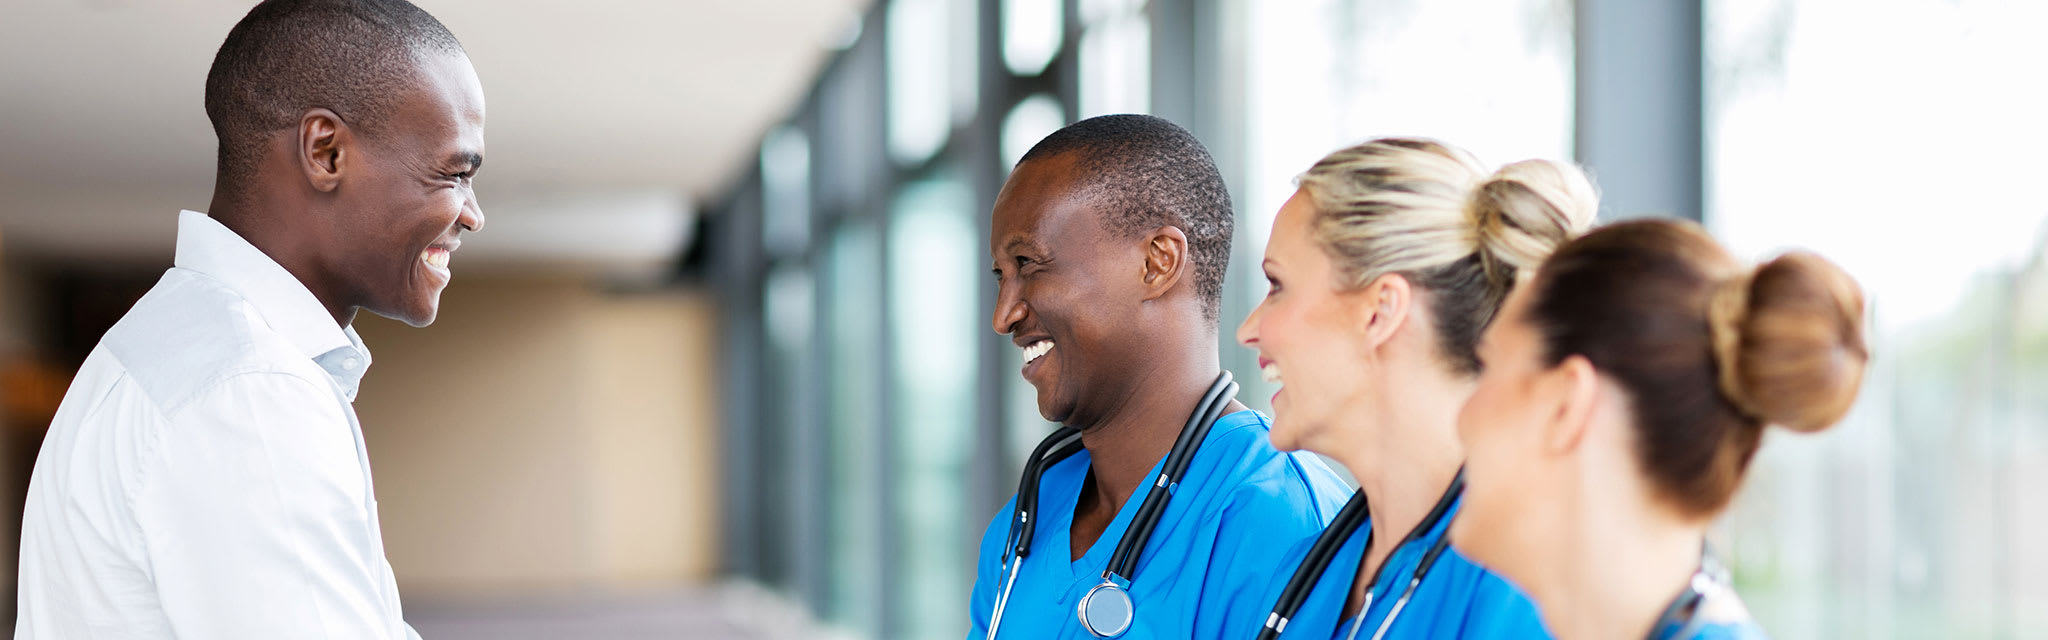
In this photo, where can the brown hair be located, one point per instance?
(1428, 211)
(1709, 351)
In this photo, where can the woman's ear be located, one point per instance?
(1575, 389)
(1382, 307)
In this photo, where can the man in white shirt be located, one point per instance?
(205, 476)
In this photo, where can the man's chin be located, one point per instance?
(416, 315)
(1054, 411)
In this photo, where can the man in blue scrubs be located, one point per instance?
(1109, 244)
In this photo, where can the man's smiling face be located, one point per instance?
(1067, 288)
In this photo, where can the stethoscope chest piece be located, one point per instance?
(1106, 610)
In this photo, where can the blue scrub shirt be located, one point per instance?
(1721, 616)
(1746, 630)
(1457, 599)
(1217, 544)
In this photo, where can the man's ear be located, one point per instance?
(325, 147)
(1576, 388)
(1166, 260)
(1381, 307)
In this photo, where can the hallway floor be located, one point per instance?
(707, 613)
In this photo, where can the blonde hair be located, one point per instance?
(1430, 212)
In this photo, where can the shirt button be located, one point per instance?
(349, 364)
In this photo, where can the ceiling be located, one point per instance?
(103, 134)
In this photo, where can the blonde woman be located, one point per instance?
(1385, 266)
(1627, 387)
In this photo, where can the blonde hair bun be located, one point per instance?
(1526, 209)
(1788, 339)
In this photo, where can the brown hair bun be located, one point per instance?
(1788, 340)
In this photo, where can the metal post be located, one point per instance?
(1640, 106)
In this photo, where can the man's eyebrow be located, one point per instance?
(470, 159)
(1020, 244)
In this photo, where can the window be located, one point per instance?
(932, 83)
(935, 267)
(1116, 58)
(1030, 121)
(1899, 140)
(856, 441)
(1031, 34)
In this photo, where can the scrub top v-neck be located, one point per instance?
(1218, 540)
(1456, 598)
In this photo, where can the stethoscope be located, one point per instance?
(1681, 619)
(1324, 551)
(1106, 611)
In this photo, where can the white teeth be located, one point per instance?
(1270, 373)
(1036, 349)
(436, 259)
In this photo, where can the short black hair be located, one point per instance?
(353, 57)
(1146, 173)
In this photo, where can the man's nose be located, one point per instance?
(1009, 311)
(472, 216)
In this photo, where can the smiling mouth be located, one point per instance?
(1270, 372)
(1036, 350)
(435, 257)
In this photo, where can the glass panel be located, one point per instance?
(1116, 65)
(932, 82)
(785, 191)
(855, 263)
(1032, 31)
(963, 59)
(1492, 76)
(935, 259)
(788, 315)
(918, 92)
(1095, 12)
(1030, 121)
(1899, 139)
(1024, 426)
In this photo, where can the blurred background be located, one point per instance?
(719, 366)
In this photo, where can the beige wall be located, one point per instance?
(545, 435)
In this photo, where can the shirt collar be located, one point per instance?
(210, 248)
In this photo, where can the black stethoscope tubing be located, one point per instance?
(1324, 551)
(1123, 563)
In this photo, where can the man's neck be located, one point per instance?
(1123, 446)
(1139, 430)
(245, 217)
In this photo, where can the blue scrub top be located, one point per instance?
(1745, 630)
(1721, 616)
(1218, 541)
(1457, 599)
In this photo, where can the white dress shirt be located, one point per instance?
(205, 476)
